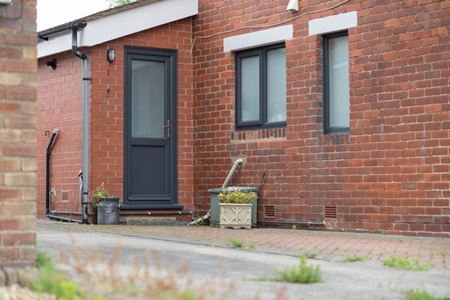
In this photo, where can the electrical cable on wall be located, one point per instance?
(265, 25)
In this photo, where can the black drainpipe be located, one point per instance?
(48, 155)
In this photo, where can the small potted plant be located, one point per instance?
(107, 207)
(236, 209)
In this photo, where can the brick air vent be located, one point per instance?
(330, 212)
(269, 211)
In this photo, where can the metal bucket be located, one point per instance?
(108, 211)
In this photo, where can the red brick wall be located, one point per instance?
(107, 107)
(17, 133)
(391, 172)
(59, 104)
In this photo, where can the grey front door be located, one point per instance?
(150, 165)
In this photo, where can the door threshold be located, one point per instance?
(152, 207)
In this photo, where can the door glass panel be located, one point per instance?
(339, 82)
(147, 99)
(276, 85)
(250, 88)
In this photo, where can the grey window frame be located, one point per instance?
(326, 84)
(263, 101)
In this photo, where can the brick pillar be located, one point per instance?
(18, 69)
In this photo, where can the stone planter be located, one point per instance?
(235, 216)
(215, 211)
(108, 211)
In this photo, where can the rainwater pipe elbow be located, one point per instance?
(237, 163)
(75, 49)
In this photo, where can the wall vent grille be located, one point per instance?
(330, 212)
(269, 211)
(65, 196)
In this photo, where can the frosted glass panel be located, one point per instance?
(147, 99)
(339, 82)
(276, 85)
(250, 88)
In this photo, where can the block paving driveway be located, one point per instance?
(326, 245)
(207, 255)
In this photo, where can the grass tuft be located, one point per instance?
(302, 273)
(240, 244)
(404, 263)
(54, 282)
(418, 294)
(354, 258)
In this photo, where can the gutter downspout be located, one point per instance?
(44, 35)
(237, 163)
(85, 146)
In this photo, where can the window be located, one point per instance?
(336, 83)
(261, 87)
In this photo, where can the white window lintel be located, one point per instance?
(333, 23)
(258, 38)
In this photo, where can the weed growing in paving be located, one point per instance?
(354, 258)
(418, 294)
(103, 278)
(144, 278)
(302, 273)
(403, 263)
(240, 244)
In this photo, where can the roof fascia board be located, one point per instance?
(121, 24)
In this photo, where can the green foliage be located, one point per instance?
(303, 273)
(237, 197)
(114, 3)
(240, 244)
(403, 263)
(418, 294)
(43, 260)
(354, 258)
(99, 194)
(54, 282)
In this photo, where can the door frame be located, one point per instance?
(171, 79)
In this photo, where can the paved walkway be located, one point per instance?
(124, 266)
(320, 244)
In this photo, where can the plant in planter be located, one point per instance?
(236, 209)
(107, 207)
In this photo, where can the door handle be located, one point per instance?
(166, 126)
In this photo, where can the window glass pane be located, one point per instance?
(250, 88)
(147, 99)
(276, 85)
(339, 100)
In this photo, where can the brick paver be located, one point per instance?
(323, 244)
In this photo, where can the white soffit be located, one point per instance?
(333, 23)
(121, 24)
(258, 38)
